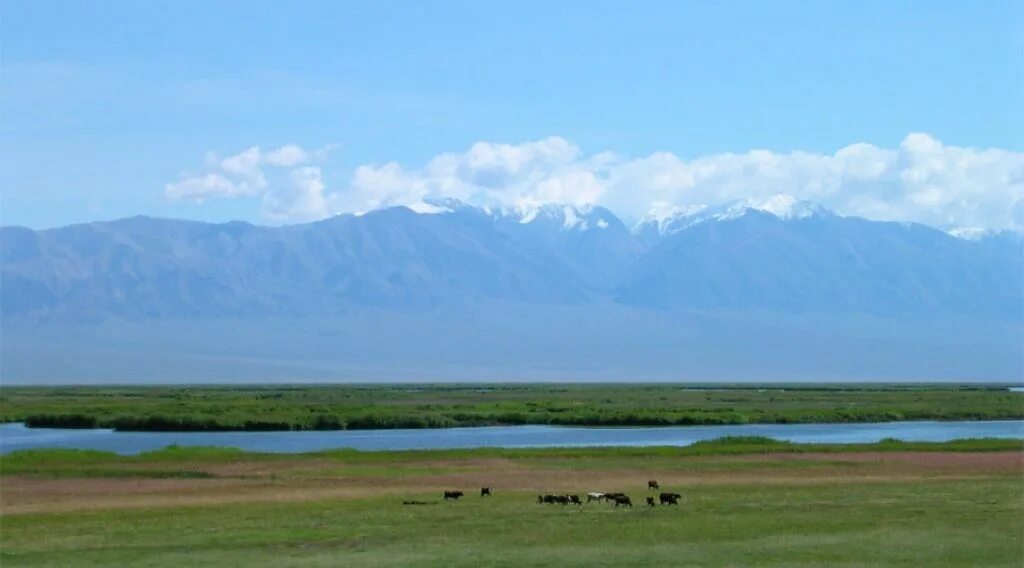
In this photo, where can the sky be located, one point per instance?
(283, 112)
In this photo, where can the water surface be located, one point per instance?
(18, 437)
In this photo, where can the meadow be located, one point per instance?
(439, 406)
(748, 501)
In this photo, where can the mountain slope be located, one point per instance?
(783, 256)
(825, 263)
(393, 258)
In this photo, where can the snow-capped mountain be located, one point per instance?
(557, 286)
(558, 216)
(780, 254)
(665, 221)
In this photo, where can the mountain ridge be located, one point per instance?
(783, 254)
(465, 293)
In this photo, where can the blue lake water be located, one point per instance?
(17, 437)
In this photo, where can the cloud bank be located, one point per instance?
(921, 180)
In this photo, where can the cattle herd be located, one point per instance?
(618, 499)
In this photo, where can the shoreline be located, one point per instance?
(605, 427)
(65, 425)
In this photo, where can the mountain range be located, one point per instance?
(779, 265)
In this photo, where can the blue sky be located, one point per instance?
(104, 104)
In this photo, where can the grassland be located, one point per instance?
(439, 406)
(747, 502)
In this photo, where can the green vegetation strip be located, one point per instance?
(358, 407)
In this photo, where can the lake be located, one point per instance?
(18, 437)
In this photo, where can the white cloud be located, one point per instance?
(238, 175)
(198, 188)
(286, 156)
(245, 165)
(921, 180)
(302, 199)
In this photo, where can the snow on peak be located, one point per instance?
(788, 207)
(783, 206)
(971, 233)
(663, 219)
(976, 234)
(667, 220)
(567, 217)
(572, 219)
(426, 207)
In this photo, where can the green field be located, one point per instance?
(746, 502)
(438, 406)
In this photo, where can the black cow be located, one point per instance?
(650, 501)
(623, 500)
(574, 499)
(653, 484)
(611, 497)
(453, 495)
(485, 491)
(669, 498)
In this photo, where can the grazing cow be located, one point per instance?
(575, 499)
(653, 484)
(485, 491)
(623, 500)
(669, 498)
(595, 497)
(650, 501)
(612, 497)
(453, 495)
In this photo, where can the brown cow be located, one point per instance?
(653, 484)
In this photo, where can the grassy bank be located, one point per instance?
(437, 406)
(748, 502)
(167, 462)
